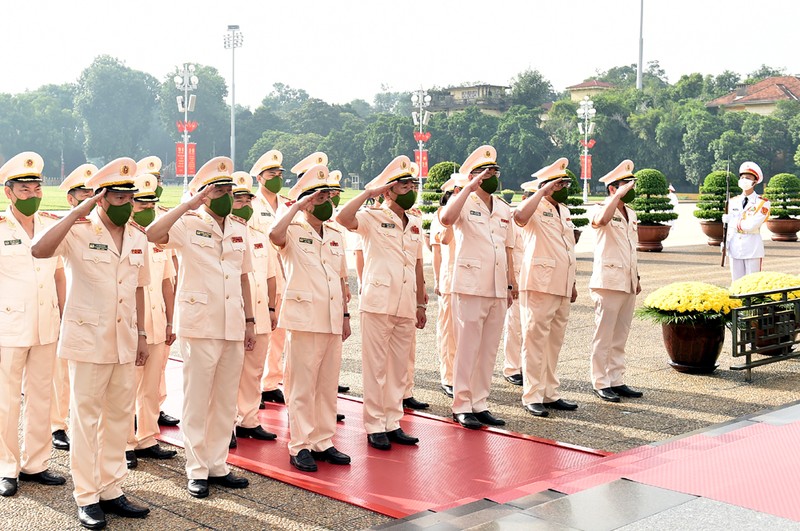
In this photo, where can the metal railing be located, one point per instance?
(766, 328)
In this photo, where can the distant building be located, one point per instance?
(588, 88)
(490, 99)
(759, 98)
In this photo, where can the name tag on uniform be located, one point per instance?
(388, 225)
(474, 213)
(307, 240)
(136, 251)
(547, 214)
(203, 233)
(265, 213)
(98, 246)
(258, 246)
(12, 242)
(615, 218)
(237, 239)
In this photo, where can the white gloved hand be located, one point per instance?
(726, 218)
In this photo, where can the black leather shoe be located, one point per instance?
(166, 420)
(130, 459)
(8, 486)
(627, 392)
(448, 390)
(379, 441)
(485, 417)
(514, 379)
(255, 433)
(198, 488)
(339, 417)
(155, 452)
(92, 516)
(606, 394)
(230, 481)
(60, 440)
(303, 461)
(332, 456)
(122, 507)
(468, 420)
(401, 437)
(413, 403)
(537, 410)
(563, 405)
(276, 396)
(233, 443)
(43, 478)
(343, 389)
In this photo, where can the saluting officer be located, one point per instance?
(262, 287)
(747, 212)
(483, 283)
(614, 283)
(214, 320)
(547, 285)
(29, 319)
(392, 282)
(106, 260)
(75, 187)
(315, 317)
(159, 303)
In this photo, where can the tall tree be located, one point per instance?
(530, 88)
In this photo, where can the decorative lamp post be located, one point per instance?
(186, 80)
(233, 39)
(586, 112)
(421, 99)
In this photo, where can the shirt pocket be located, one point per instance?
(201, 241)
(543, 268)
(80, 329)
(93, 259)
(613, 273)
(136, 260)
(192, 308)
(468, 271)
(296, 308)
(12, 317)
(375, 293)
(477, 218)
(13, 250)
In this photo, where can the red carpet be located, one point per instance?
(449, 467)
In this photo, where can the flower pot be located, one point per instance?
(712, 229)
(784, 230)
(651, 236)
(577, 233)
(693, 348)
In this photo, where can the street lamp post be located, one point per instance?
(420, 99)
(186, 80)
(586, 112)
(233, 39)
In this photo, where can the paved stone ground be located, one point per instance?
(674, 403)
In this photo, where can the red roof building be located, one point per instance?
(759, 98)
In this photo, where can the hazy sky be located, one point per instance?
(347, 49)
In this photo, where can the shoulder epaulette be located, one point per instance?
(163, 208)
(503, 200)
(238, 219)
(83, 220)
(48, 215)
(331, 226)
(137, 227)
(192, 213)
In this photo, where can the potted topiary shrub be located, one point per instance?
(575, 204)
(507, 195)
(711, 203)
(653, 208)
(783, 192)
(438, 174)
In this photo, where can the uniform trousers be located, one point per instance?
(100, 406)
(249, 397)
(447, 338)
(544, 322)
(59, 402)
(512, 340)
(148, 405)
(478, 327)
(613, 313)
(273, 370)
(742, 267)
(26, 370)
(211, 369)
(385, 344)
(313, 361)
(162, 386)
(412, 359)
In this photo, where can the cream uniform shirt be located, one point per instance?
(313, 299)
(448, 255)
(99, 322)
(744, 227)
(390, 259)
(264, 216)
(548, 264)
(481, 240)
(28, 302)
(615, 266)
(264, 267)
(155, 310)
(209, 302)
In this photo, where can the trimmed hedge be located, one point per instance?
(783, 192)
(652, 204)
(711, 203)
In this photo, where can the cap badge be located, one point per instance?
(275, 157)
(28, 163)
(403, 164)
(321, 175)
(319, 160)
(628, 167)
(222, 166)
(151, 165)
(488, 154)
(563, 165)
(124, 170)
(88, 173)
(147, 184)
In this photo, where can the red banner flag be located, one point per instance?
(181, 158)
(586, 167)
(422, 162)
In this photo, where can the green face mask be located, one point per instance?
(561, 195)
(119, 215)
(145, 217)
(630, 196)
(274, 185)
(28, 207)
(490, 185)
(159, 191)
(335, 200)
(246, 212)
(324, 211)
(222, 206)
(406, 200)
